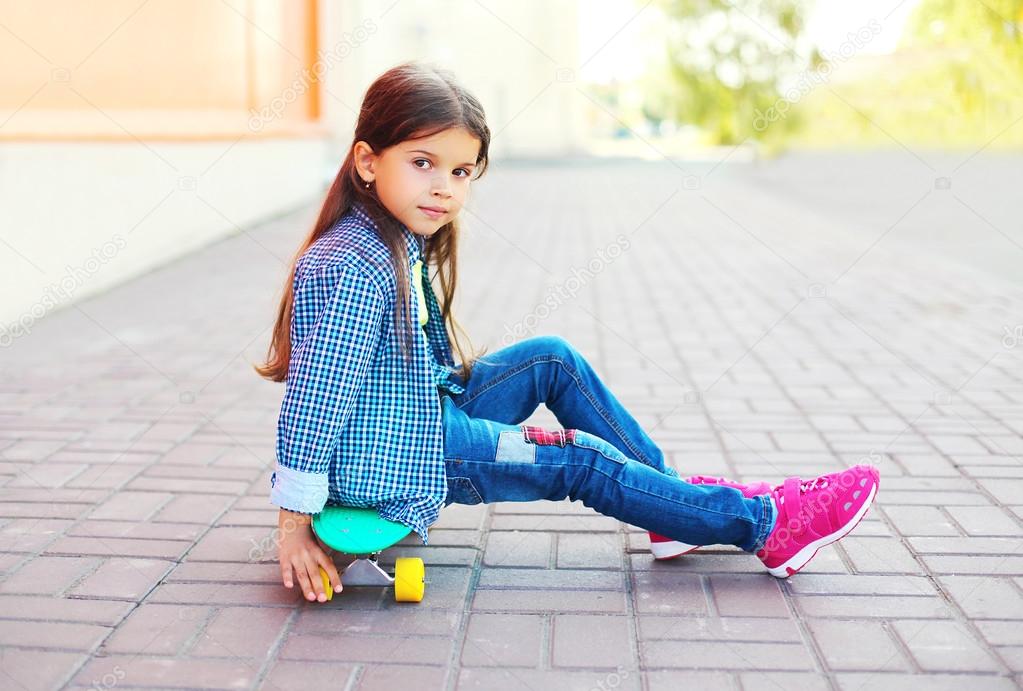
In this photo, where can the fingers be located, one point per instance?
(313, 571)
(305, 566)
(302, 571)
(327, 564)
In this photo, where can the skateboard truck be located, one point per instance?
(366, 571)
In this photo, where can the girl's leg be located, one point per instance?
(489, 461)
(507, 386)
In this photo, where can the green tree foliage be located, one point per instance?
(981, 46)
(725, 62)
(956, 81)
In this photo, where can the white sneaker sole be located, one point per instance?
(670, 550)
(800, 558)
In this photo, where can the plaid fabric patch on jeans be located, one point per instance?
(548, 437)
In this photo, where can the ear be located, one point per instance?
(365, 160)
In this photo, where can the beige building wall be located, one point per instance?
(132, 134)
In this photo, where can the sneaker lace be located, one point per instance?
(790, 493)
(708, 480)
(817, 483)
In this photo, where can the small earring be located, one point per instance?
(368, 184)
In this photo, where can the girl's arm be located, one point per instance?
(327, 370)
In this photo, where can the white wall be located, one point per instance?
(515, 58)
(77, 218)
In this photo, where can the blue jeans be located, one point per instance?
(600, 456)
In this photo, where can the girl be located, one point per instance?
(375, 414)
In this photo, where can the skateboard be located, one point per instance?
(363, 533)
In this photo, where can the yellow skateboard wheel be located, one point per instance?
(409, 579)
(327, 588)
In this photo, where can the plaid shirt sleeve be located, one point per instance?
(338, 313)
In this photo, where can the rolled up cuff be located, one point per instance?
(298, 491)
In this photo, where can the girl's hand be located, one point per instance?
(301, 552)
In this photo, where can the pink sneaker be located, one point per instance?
(815, 513)
(665, 548)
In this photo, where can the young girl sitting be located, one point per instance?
(376, 414)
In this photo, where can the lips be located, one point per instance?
(432, 211)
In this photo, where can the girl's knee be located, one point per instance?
(600, 445)
(557, 346)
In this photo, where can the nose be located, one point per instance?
(439, 187)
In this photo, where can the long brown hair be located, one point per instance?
(409, 101)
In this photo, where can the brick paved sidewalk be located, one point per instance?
(752, 336)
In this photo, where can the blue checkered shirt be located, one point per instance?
(358, 426)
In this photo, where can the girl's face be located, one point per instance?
(422, 182)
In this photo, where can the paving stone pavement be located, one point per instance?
(753, 336)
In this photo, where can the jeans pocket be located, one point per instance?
(595, 443)
(462, 491)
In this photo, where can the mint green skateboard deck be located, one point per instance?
(355, 530)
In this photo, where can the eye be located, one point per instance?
(416, 162)
(467, 173)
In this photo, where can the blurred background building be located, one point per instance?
(133, 131)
